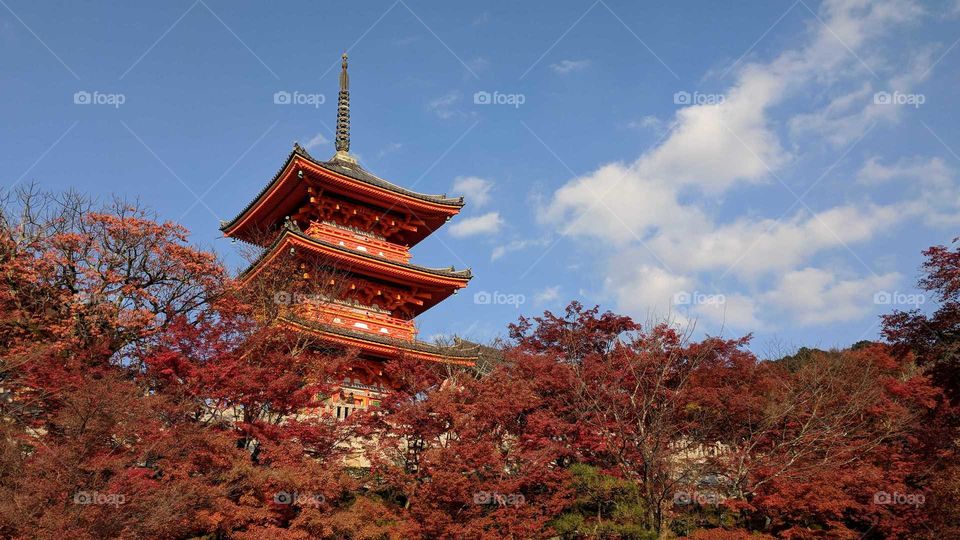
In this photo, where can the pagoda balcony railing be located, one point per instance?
(365, 387)
(359, 242)
(358, 319)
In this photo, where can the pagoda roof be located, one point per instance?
(384, 345)
(441, 276)
(372, 185)
(355, 171)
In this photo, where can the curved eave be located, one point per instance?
(359, 262)
(357, 182)
(384, 347)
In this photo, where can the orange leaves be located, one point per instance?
(135, 375)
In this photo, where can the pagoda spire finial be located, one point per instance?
(343, 115)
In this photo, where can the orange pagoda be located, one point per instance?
(336, 216)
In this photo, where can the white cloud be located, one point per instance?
(617, 204)
(389, 149)
(564, 67)
(517, 245)
(643, 288)
(845, 118)
(445, 106)
(317, 140)
(657, 212)
(917, 169)
(732, 141)
(735, 311)
(548, 294)
(647, 122)
(479, 63)
(475, 190)
(752, 247)
(488, 223)
(849, 115)
(931, 190)
(815, 296)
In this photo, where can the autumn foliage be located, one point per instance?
(145, 395)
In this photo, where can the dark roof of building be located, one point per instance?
(350, 170)
(355, 171)
(487, 356)
(289, 229)
(459, 352)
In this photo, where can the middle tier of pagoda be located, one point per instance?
(344, 265)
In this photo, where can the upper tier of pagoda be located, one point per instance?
(307, 192)
(340, 190)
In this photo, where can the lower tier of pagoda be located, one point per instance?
(357, 318)
(377, 344)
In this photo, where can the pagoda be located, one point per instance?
(348, 234)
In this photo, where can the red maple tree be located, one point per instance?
(145, 394)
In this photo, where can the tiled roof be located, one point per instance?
(445, 272)
(458, 352)
(350, 170)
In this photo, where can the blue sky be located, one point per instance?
(767, 167)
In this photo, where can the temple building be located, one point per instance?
(348, 234)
